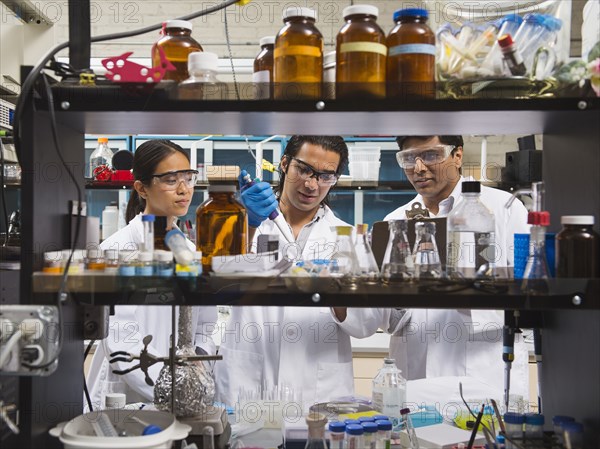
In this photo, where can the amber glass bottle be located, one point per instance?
(411, 56)
(263, 69)
(298, 66)
(361, 54)
(221, 225)
(177, 43)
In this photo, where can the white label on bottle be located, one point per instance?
(425, 49)
(264, 76)
(389, 401)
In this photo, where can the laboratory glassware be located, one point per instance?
(427, 256)
(345, 259)
(202, 83)
(262, 77)
(369, 271)
(148, 233)
(577, 248)
(389, 392)
(398, 263)
(177, 43)
(177, 243)
(316, 431)
(100, 159)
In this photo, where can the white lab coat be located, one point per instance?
(306, 349)
(129, 326)
(429, 343)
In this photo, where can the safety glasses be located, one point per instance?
(171, 180)
(407, 159)
(305, 172)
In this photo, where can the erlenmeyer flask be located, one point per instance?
(369, 271)
(398, 262)
(346, 261)
(427, 257)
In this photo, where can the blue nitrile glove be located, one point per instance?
(260, 202)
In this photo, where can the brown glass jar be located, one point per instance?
(577, 248)
(221, 225)
(411, 56)
(177, 43)
(263, 69)
(298, 57)
(361, 54)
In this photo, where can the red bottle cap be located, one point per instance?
(539, 218)
(505, 40)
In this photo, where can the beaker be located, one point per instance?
(427, 257)
(347, 266)
(369, 271)
(398, 262)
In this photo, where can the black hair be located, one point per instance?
(457, 141)
(145, 160)
(329, 143)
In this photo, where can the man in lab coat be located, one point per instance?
(432, 343)
(304, 349)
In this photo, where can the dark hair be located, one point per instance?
(329, 143)
(145, 160)
(457, 141)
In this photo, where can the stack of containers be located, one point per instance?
(364, 163)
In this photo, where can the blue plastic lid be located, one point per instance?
(500, 439)
(151, 429)
(534, 18)
(574, 427)
(352, 421)
(381, 418)
(410, 12)
(383, 424)
(172, 233)
(512, 18)
(514, 418)
(364, 419)
(370, 427)
(560, 419)
(552, 23)
(534, 418)
(354, 429)
(148, 217)
(337, 427)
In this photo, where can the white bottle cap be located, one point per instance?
(203, 60)
(163, 256)
(360, 9)
(577, 220)
(53, 256)
(178, 24)
(129, 256)
(145, 256)
(94, 253)
(295, 11)
(114, 400)
(111, 254)
(267, 40)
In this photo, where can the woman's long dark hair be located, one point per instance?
(329, 143)
(145, 160)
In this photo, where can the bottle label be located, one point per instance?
(298, 50)
(422, 49)
(365, 47)
(264, 76)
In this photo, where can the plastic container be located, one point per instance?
(127, 262)
(100, 160)
(202, 84)
(514, 427)
(573, 435)
(177, 43)
(577, 248)
(337, 431)
(298, 56)
(522, 252)
(411, 56)
(370, 434)
(148, 233)
(364, 154)
(361, 54)
(94, 260)
(111, 259)
(354, 436)
(492, 64)
(53, 262)
(384, 432)
(364, 171)
(177, 243)
(557, 422)
(534, 426)
(389, 392)
(163, 263)
(110, 220)
(262, 77)
(145, 264)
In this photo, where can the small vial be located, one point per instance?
(370, 434)
(534, 426)
(148, 232)
(163, 263)
(512, 56)
(176, 242)
(384, 432)
(514, 427)
(558, 421)
(76, 266)
(111, 258)
(95, 260)
(145, 266)
(354, 436)
(127, 263)
(337, 432)
(53, 262)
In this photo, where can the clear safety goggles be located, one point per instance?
(306, 172)
(407, 159)
(172, 179)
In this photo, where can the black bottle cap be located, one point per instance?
(471, 187)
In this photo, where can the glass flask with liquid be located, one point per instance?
(361, 54)
(316, 431)
(389, 392)
(427, 256)
(369, 271)
(398, 263)
(177, 43)
(221, 225)
(345, 258)
(262, 77)
(298, 56)
(577, 248)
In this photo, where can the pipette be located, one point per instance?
(508, 355)
(275, 215)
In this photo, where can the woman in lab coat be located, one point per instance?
(306, 349)
(164, 185)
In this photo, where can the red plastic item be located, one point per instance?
(122, 175)
(121, 70)
(102, 173)
(539, 218)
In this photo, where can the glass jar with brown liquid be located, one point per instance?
(298, 58)
(361, 54)
(577, 248)
(263, 69)
(221, 225)
(411, 56)
(177, 43)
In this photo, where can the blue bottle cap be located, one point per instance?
(370, 427)
(512, 18)
(148, 217)
(172, 233)
(151, 430)
(534, 418)
(552, 23)
(354, 429)
(381, 418)
(560, 419)
(383, 424)
(514, 418)
(351, 421)
(534, 19)
(573, 427)
(364, 419)
(500, 439)
(337, 426)
(410, 12)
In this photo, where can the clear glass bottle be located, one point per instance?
(471, 245)
(177, 43)
(298, 56)
(427, 257)
(53, 262)
(370, 435)
(145, 264)
(369, 271)
(345, 256)
(354, 436)
(203, 83)
(337, 431)
(111, 258)
(221, 225)
(492, 64)
(384, 433)
(127, 262)
(398, 263)
(100, 159)
(316, 431)
(361, 54)
(389, 392)
(148, 233)
(262, 77)
(411, 56)
(95, 260)
(534, 426)
(163, 263)
(577, 248)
